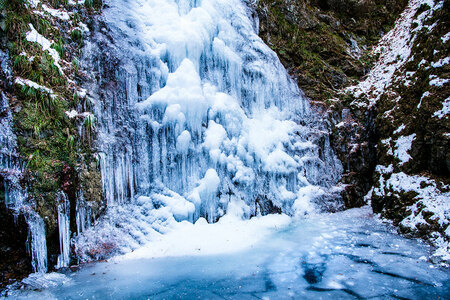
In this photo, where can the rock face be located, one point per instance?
(15, 262)
(411, 182)
(325, 46)
(40, 42)
(323, 43)
(391, 127)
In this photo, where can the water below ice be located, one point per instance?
(337, 256)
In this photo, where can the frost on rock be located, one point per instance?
(431, 208)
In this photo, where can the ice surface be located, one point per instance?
(345, 255)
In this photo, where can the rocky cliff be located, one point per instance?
(384, 87)
(51, 158)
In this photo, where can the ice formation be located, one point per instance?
(195, 112)
(16, 197)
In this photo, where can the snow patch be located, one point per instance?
(440, 63)
(432, 203)
(400, 129)
(33, 84)
(394, 49)
(228, 235)
(57, 13)
(403, 145)
(445, 111)
(34, 36)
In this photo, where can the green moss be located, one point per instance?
(314, 44)
(47, 140)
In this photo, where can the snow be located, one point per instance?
(426, 94)
(403, 144)
(81, 26)
(399, 129)
(440, 63)
(34, 3)
(228, 235)
(436, 81)
(57, 13)
(34, 36)
(302, 204)
(446, 37)
(445, 111)
(430, 200)
(214, 137)
(76, 2)
(395, 50)
(178, 206)
(71, 114)
(184, 89)
(74, 114)
(34, 85)
(387, 143)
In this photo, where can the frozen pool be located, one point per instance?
(338, 256)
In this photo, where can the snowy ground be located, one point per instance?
(344, 255)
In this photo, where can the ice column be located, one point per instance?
(64, 231)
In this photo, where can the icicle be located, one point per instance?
(37, 242)
(16, 197)
(83, 213)
(193, 106)
(64, 231)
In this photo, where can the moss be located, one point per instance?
(313, 42)
(47, 140)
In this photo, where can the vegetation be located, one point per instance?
(314, 40)
(47, 139)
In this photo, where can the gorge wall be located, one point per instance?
(387, 99)
(78, 151)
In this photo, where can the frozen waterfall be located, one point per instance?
(196, 115)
